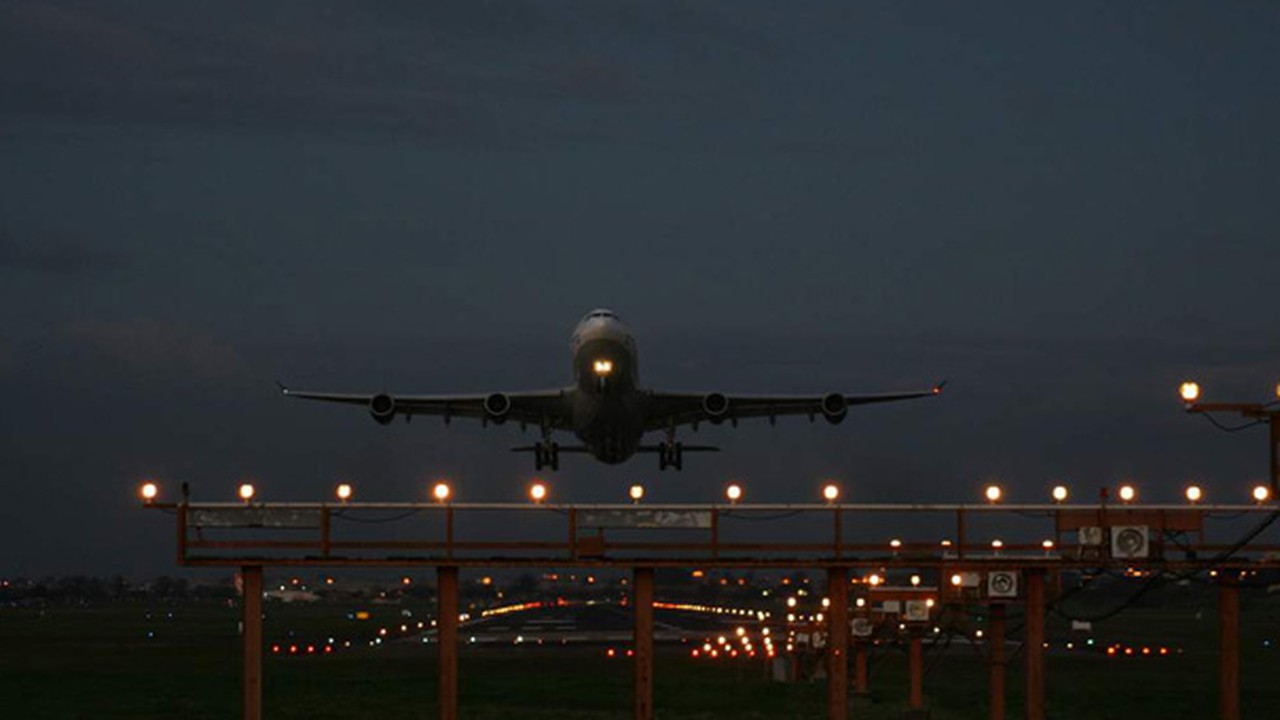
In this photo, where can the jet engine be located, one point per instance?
(496, 407)
(716, 406)
(834, 408)
(383, 408)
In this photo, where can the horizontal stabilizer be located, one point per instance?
(685, 448)
(559, 448)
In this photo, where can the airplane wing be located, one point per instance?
(538, 407)
(668, 410)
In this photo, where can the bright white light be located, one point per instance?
(1261, 493)
(149, 491)
(915, 581)
(602, 367)
(957, 580)
(993, 493)
(1194, 493)
(1047, 544)
(1190, 391)
(441, 491)
(246, 492)
(636, 492)
(537, 492)
(831, 492)
(1060, 493)
(733, 492)
(344, 492)
(895, 543)
(1128, 493)
(997, 544)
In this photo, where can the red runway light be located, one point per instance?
(275, 648)
(630, 653)
(293, 649)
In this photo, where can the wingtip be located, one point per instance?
(937, 389)
(284, 390)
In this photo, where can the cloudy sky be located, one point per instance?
(1064, 209)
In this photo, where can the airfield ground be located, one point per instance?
(154, 661)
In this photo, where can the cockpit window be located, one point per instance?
(601, 314)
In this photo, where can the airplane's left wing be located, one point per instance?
(668, 410)
(539, 407)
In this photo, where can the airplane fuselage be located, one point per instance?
(606, 405)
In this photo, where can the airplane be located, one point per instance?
(605, 407)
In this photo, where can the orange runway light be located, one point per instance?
(993, 493)
(1190, 391)
(343, 491)
(831, 492)
(441, 492)
(538, 492)
(149, 491)
(1194, 494)
(1261, 493)
(247, 491)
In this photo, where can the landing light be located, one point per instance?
(1190, 391)
(246, 492)
(602, 367)
(149, 491)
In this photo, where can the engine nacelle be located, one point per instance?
(383, 408)
(496, 407)
(834, 408)
(716, 406)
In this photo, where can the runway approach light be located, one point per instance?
(602, 368)
(1261, 493)
(831, 492)
(441, 492)
(1194, 494)
(733, 492)
(1060, 493)
(148, 491)
(1278, 391)
(957, 580)
(1127, 493)
(246, 491)
(343, 492)
(636, 492)
(1190, 391)
(538, 492)
(915, 581)
(993, 493)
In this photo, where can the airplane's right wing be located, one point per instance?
(668, 410)
(537, 407)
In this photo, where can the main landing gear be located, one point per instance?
(546, 454)
(671, 455)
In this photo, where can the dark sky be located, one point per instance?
(1065, 209)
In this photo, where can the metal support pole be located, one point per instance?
(447, 635)
(1034, 644)
(916, 661)
(1274, 421)
(1228, 649)
(995, 660)
(642, 581)
(251, 640)
(860, 676)
(838, 643)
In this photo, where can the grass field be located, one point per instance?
(101, 663)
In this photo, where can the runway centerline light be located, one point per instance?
(1127, 493)
(343, 492)
(1190, 391)
(1060, 493)
(831, 492)
(538, 492)
(993, 493)
(636, 492)
(1194, 493)
(441, 492)
(733, 492)
(149, 491)
(1261, 493)
(246, 491)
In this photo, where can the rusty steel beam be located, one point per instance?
(838, 643)
(1034, 644)
(251, 642)
(995, 660)
(447, 635)
(642, 600)
(861, 684)
(1228, 649)
(915, 698)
